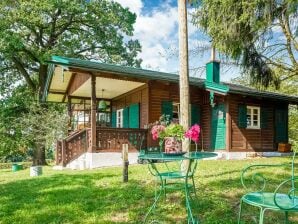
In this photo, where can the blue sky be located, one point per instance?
(157, 30)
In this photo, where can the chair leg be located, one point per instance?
(240, 210)
(194, 186)
(164, 188)
(286, 217)
(262, 212)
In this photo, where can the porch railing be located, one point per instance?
(110, 139)
(113, 138)
(72, 147)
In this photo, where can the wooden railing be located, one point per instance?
(110, 139)
(72, 147)
(113, 138)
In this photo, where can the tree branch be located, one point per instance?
(23, 72)
(283, 23)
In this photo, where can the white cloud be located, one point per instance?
(157, 30)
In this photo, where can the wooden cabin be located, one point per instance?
(109, 105)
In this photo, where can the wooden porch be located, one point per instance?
(108, 140)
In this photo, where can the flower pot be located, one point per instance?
(284, 147)
(16, 167)
(35, 171)
(172, 145)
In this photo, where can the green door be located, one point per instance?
(218, 127)
(281, 125)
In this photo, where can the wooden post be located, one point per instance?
(93, 113)
(63, 153)
(125, 162)
(69, 110)
(183, 69)
(56, 151)
(228, 125)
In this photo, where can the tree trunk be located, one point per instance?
(42, 75)
(39, 156)
(183, 70)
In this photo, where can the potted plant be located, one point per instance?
(169, 134)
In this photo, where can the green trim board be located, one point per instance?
(92, 66)
(216, 87)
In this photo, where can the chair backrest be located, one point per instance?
(291, 201)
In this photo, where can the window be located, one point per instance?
(176, 112)
(119, 118)
(253, 117)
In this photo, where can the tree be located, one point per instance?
(183, 68)
(260, 34)
(25, 124)
(32, 31)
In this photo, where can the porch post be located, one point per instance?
(228, 124)
(93, 113)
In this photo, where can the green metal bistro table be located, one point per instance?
(186, 175)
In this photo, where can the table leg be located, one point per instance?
(190, 217)
(154, 205)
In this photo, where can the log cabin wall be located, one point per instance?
(244, 139)
(166, 91)
(139, 95)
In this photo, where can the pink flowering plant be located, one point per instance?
(165, 128)
(193, 133)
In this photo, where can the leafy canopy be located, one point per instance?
(260, 33)
(25, 124)
(32, 31)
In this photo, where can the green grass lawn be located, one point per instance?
(99, 196)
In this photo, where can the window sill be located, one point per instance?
(254, 128)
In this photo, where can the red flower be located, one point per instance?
(193, 133)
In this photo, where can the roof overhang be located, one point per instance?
(138, 75)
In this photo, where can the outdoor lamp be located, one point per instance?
(102, 105)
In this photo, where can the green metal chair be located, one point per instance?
(284, 198)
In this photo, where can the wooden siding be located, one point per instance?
(243, 139)
(162, 91)
(78, 80)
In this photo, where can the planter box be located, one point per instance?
(35, 171)
(16, 167)
(284, 147)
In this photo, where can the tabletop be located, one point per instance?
(173, 157)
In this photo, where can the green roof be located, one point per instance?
(156, 75)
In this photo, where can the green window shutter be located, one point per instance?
(242, 113)
(134, 116)
(114, 117)
(167, 108)
(195, 114)
(126, 117)
(264, 117)
(281, 125)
